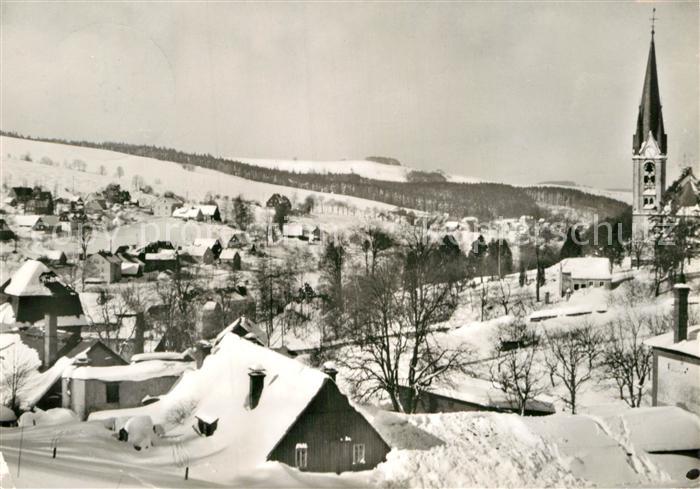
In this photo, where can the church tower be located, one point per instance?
(648, 151)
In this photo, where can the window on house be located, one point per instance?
(302, 455)
(112, 391)
(601, 284)
(575, 286)
(358, 453)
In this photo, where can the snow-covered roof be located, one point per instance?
(7, 414)
(247, 325)
(208, 210)
(53, 254)
(589, 267)
(197, 251)
(691, 346)
(293, 230)
(134, 372)
(658, 429)
(228, 254)
(28, 280)
(130, 268)
(41, 383)
(161, 355)
(484, 393)
(187, 212)
(206, 242)
(245, 436)
(164, 255)
(26, 220)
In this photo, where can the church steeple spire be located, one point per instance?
(650, 119)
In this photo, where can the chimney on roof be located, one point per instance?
(680, 312)
(201, 351)
(139, 328)
(257, 382)
(50, 339)
(330, 370)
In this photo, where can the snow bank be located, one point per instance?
(477, 450)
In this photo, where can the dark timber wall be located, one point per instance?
(326, 421)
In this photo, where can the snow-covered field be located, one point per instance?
(161, 175)
(363, 168)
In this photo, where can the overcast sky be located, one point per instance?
(514, 92)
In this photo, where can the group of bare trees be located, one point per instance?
(573, 357)
(392, 306)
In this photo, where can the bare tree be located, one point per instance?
(18, 364)
(504, 295)
(638, 246)
(83, 237)
(391, 316)
(177, 313)
(513, 370)
(570, 358)
(626, 359)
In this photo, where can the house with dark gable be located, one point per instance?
(271, 407)
(35, 293)
(296, 413)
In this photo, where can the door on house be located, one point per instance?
(343, 454)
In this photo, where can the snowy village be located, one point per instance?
(174, 316)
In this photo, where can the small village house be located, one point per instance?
(231, 257)
(204, 250)
(210, 212)
(35, 293)
(30, 222)
(164, 206)
(293, 230)
(48, 390)
(164, 259)
(584, 272)
(54, 257)
(277, 409)
(104, 267)
(471, 394)
(87, 389)
(239, 239)
(189, 212)
(6, 234)
(32, 200)
(676, 359)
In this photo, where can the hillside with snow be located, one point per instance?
(362, 168)
(193, 183)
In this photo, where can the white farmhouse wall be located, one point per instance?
(677, 382)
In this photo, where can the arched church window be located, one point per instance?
(649, 175)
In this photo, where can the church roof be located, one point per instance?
(650, 119)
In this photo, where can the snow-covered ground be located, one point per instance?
(437, 450)
(161, 175)
(363, 168)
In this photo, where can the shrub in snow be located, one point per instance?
(178, 413)
(49, 417)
